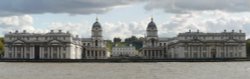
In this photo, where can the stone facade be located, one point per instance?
(124, 51)
(51, 45)
(63, 45)
(193, 45)
(209, 45)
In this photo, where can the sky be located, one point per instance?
(124, 18)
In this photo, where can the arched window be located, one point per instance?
(96, 43)
(153, 42)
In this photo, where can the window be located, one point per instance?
(54, 55)
(186, 55)
(222, 54)
(204, 48)
(96, 43)
(45, 55)
(231, 54)
(186, 48)
(27, 55)
(54, 48)
(18, 49)
(195, 55)
(45, 48)
(28, 48)
(88, 53)
(64, 55)
(204, 55)
(18, 55)
(10, 49)
(64, 48)
(10, 55)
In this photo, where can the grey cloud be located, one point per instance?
(184, 6)
(18, 7)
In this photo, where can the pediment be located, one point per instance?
(18, 42)
(55, 42)
(196, 40)
(231, 40)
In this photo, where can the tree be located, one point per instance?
(248, 48)
(137, 42)
(117, 40)
(109, 45)
(1, 46)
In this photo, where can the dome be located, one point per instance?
(96, 24)
(151, 25)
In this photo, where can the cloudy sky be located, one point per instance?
(123, 18)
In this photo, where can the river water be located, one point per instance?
(162, 70)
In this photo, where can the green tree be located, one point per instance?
(117, 40)
(109, 45)
(137, 42)
(1, 46)
(248, 48)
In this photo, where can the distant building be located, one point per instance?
(124, 51)
(95, 47)
(51, 45)
(209, 45)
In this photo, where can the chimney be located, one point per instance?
(60, 31)
(67, 32)
(197, 31)
(225, 30)
(24, 31)
(10, 32)
(77, 36)
(189, 31)
(16, 31)
(233, 31)
(240, 31)
(51, 31)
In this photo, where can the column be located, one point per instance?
(49, 52)
(58, 52)
(40, 52)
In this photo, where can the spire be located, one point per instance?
(96, 19)
(152, 19)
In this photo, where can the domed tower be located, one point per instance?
(152, 34)
(96, 34)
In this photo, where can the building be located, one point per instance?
(51, 45)
(124, 51)
(151, 47)
(209, 45)
(193, 45)
(95, 47)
